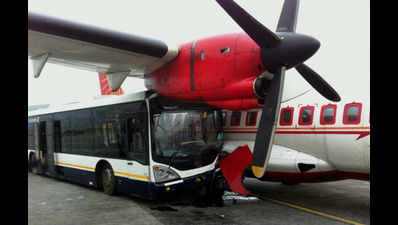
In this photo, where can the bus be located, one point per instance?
(139, 144)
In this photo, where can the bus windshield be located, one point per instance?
(186, 139)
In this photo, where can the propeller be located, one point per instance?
(280, 51)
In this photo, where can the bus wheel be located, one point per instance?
(108, 180)
(30, 163)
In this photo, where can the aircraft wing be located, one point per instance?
(94, 49)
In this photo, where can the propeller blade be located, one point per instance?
(258, 32)
(318, 82)
(288, 18)
(269, 118)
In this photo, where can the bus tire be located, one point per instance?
(108, 180)
(33, 165)
(30, 163)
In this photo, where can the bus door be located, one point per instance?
(137, 152)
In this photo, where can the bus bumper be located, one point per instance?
(201, 186)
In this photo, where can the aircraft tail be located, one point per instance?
(105, 89)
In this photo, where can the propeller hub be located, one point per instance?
(293, 49)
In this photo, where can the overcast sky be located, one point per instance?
(341, 26)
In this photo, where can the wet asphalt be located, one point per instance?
(54, 202)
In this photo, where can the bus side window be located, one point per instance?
(66, 138)
(251, 118)
(57, 136)
(224, 118)
(235, 118)
(31, 140)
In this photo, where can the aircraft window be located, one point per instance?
(352, 113)
(328, 114)
(306, 115)
(286, 116)
(251, 118)
(225, 50)
(235, 118)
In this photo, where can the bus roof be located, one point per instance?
(96, 102)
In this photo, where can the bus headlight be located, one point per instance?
(163, 173)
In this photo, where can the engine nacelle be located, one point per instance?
(220, 71)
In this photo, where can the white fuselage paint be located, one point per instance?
(336, 146)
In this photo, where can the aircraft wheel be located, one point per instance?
(108, 180)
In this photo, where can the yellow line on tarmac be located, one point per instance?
(310, 211)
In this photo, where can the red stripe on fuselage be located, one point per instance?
(360, 133)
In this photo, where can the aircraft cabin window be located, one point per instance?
(225, 50)
(235, 118)
(286, 116)
(251, 118)
(352, 113)
(306, 115)
(328, 114)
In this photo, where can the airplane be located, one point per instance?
(326, 149)
(238, 72)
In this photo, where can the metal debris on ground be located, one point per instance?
(235, 198)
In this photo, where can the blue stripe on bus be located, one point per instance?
(123, 185)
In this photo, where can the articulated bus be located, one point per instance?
(139, 144)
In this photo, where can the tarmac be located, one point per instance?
(54, 202)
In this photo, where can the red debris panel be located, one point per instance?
(233, 167)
